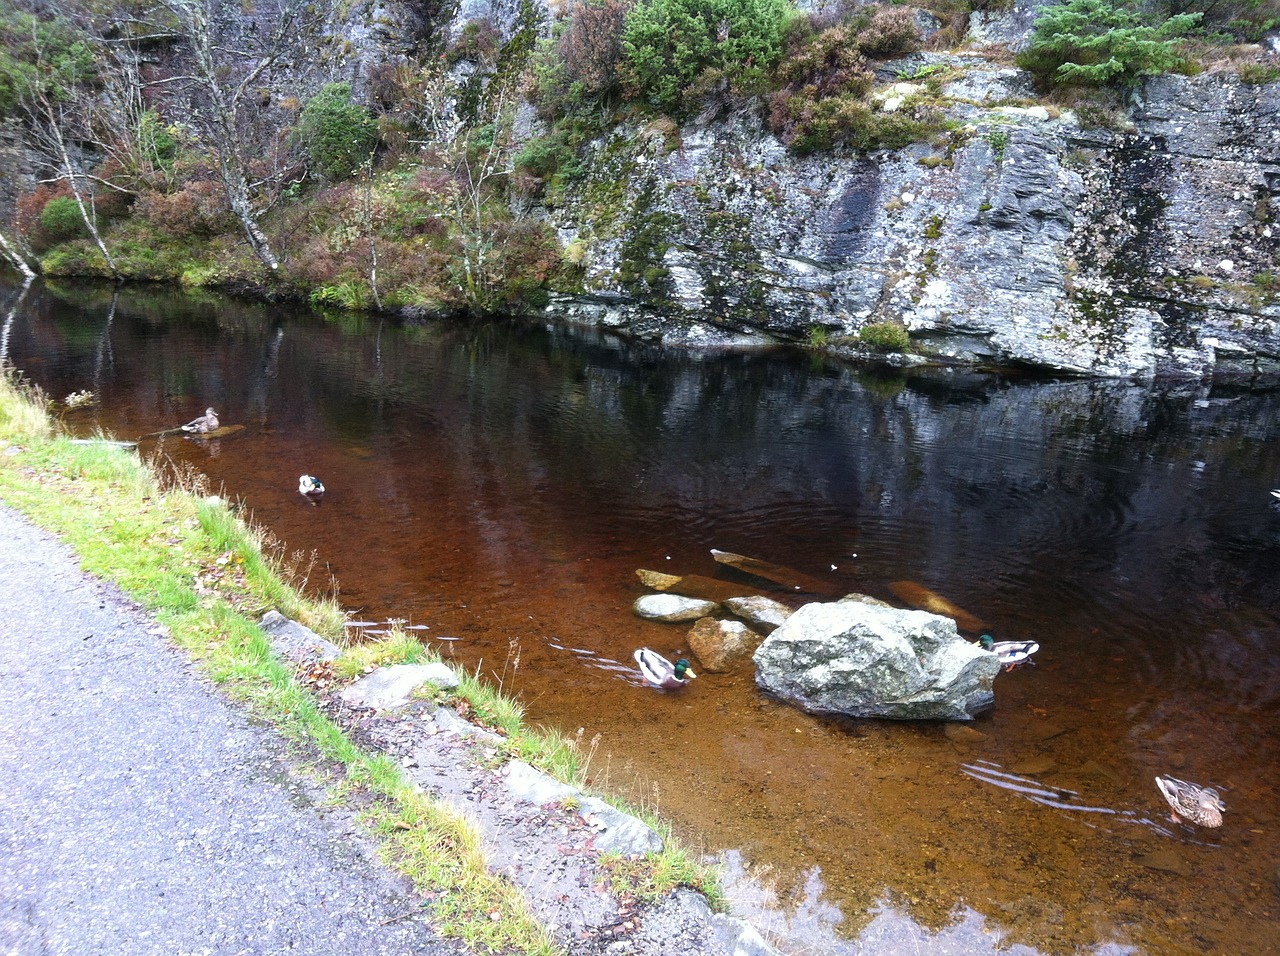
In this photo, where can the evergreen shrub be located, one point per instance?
(339, 135)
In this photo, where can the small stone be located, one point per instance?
(721, 644)
(1034, 766)
(1166, 861)
(963, 734)
(1041, 731)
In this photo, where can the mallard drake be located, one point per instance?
(310, 486)
(1011, 653)
(206, 423)
(1199, 805)
(660, 672)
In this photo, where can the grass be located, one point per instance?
(207, 577)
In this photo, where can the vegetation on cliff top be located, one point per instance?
(234, 151)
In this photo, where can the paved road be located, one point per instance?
(142, 814)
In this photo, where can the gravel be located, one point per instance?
(141, 813)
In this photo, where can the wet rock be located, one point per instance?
(762, 613)
(692, 585)
(295, 641)
(672, 607)
(1092, 768)
(960, 734)
(720, 645)
(866, 661)
(738, 936)
(1041, 731)
(390, 687)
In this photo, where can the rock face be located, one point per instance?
(1027, 237)
(867, 661)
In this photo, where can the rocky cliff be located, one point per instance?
(1021, 237)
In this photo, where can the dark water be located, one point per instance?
(500, 484)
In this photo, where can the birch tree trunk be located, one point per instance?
(16, 258)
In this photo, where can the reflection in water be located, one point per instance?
(811, 926)
(498, 486)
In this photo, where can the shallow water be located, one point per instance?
(498, 485)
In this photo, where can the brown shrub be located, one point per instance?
(198, 209)
(591, 45)
(891, 32)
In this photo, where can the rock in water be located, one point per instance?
(721, 644)
(867, 661)
(672, 607)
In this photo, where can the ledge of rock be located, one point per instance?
(393, 686)
(295, 641)
(616, 831)
(867, 661)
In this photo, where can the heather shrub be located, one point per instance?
(827, 64)
(478, 41)
(588, 50)
(891, 32)
(198, 210)
(885, 337)
(808, 125)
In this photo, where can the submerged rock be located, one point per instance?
(867, 661)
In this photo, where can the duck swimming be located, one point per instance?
(1011, 653)
(1195, 804)
(208, 422)
(310, 486)
(660, 672)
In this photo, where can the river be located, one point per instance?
(497, 485)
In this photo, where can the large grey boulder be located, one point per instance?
(867, 661)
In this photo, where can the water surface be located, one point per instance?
(499, 484)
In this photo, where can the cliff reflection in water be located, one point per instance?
(500, 484)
